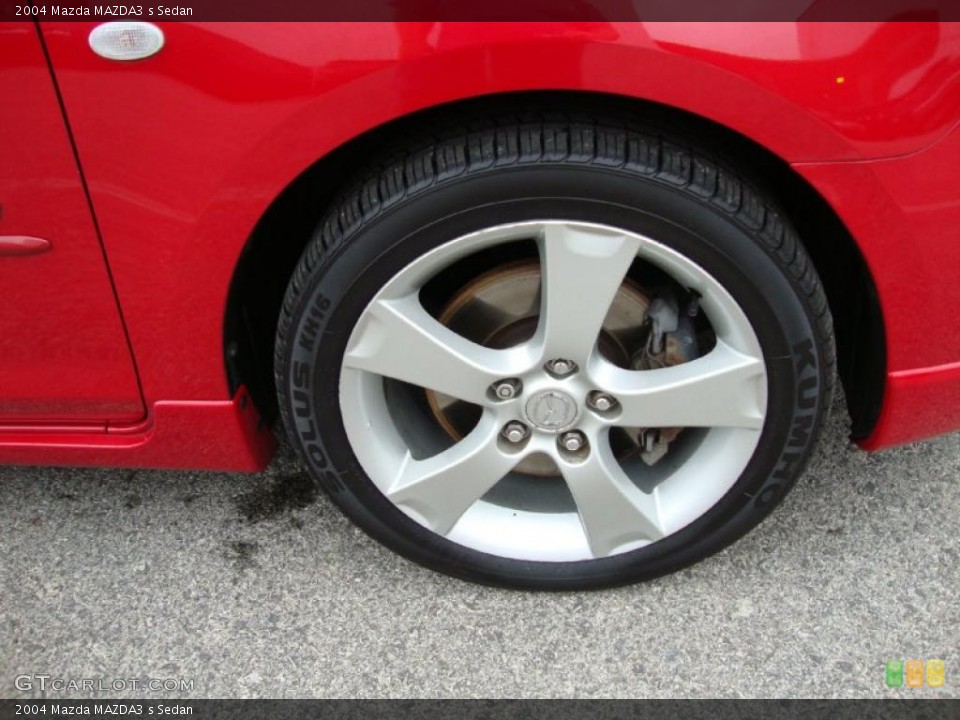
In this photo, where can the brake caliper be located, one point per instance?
(669, 338)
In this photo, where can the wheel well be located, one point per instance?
(274, 248)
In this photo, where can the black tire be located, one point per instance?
(604, 172)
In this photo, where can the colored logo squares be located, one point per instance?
(911, 673)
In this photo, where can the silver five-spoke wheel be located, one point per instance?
(553, 398)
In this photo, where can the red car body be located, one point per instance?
(143, 184)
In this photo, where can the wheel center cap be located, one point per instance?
(551, 410)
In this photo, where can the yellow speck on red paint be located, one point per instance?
(841, 79)
(914, 673)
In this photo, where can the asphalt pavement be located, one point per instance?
(255, 586)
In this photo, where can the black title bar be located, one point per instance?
(485, 10)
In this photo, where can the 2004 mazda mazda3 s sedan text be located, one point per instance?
(544, 305)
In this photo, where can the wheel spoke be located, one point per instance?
(613, 511)
(724, 388)
(581, 273)
(441, 488)
(400, 340)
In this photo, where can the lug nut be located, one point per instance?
(560, 367)
(514, 431)
(573, 441)
(601, 401)
(506, 389)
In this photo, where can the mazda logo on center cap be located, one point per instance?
(551, 410)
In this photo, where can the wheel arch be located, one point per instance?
(265, 265)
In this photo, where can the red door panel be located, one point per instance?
(64, 357)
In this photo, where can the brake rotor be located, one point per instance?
(500, 309)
